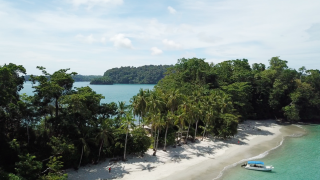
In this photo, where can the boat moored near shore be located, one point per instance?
(257, 165)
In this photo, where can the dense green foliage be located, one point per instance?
(61, 127)
(102, 80)
(277, 91)
(150, 74)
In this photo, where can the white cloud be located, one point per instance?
(171, 44)
(92, 3)
(171, 10)
(208, 38)
(87, 39)
(120, 40)
(156, 51)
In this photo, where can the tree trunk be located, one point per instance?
(100, 151)
(165, 139)
(204, 132)
(187, 134)
(180, 134)
(80, 158)
(125, 146)
(175, 137)
(154, 139)
(195, 132)
(155, 152)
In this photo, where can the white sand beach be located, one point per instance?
(201, 160)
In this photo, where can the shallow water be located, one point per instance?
(296, 158)
(112, 93)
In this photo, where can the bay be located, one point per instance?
(112, 93)
(297, 158)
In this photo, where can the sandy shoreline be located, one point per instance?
(203, 160)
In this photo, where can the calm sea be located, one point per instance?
(297, 158)
(112, 93)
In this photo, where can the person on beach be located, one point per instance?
(109, 169)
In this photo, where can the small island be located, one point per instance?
(102, 81)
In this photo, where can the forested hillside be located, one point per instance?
(149, 74)
(62, 127)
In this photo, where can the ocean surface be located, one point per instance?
(112, 93)
(297, 158)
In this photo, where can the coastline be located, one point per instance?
(206, 159)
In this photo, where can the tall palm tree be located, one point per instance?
(173, 101)
(127, 121)
(198, 107)
(158, 122)
(83, 142)
(170, 117)
(154, 106)
(191, 116)
(105, 135)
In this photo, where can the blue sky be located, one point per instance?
(91, 36)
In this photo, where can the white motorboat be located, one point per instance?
(258, 166)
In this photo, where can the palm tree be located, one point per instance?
(105, 135)
(155, 105)
(127, 121)
(197, 109)
(173, 101)
(122, 107)
(141, 102)
(158, 123)
(169, 119)
(83, 141)
(191, 117)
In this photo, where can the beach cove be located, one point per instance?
(208, 159)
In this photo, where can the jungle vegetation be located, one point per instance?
(61, 127)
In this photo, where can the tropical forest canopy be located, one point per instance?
(61, 127)
(149, 74)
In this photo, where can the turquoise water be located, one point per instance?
(112, 93)
(296, 158)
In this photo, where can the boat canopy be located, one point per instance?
(255, 162)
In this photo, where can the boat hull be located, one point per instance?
(259, 168)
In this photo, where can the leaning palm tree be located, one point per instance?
(105, 135)
(127, 121)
